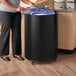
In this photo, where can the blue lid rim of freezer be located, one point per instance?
(41, 11)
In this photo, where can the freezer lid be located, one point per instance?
(41, 11)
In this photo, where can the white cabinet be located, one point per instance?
(70, 5)
(65, 4)
(59, 0)
(71, 0)
(59, 5)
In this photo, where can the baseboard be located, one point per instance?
(65, 51)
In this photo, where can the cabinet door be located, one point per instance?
(66, 30)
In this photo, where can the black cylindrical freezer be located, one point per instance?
(41, 35)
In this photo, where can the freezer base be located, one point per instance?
(49, 60)
(37, 60)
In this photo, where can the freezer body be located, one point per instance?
(41, 37)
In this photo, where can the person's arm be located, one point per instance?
(19, 9)
(28, 2)
(5, 2)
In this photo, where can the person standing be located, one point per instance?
(10, 17)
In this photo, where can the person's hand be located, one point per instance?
(26, 11)
(32, 4)
(20, 9)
